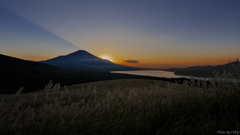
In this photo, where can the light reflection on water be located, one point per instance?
(155, 73)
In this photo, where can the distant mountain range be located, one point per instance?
(205, 71)
(82, 59)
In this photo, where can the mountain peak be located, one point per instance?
(80, 55)
(80, 52)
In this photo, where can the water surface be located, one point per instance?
(154, 73)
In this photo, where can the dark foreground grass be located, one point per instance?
(155, 110)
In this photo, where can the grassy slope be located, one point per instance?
(121, 83)
(129, 107)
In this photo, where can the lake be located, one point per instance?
(155, 73)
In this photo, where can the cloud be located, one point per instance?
(130, 61)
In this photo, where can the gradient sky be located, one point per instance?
(156, 33)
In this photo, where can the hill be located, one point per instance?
(123, 107)
(205, 71)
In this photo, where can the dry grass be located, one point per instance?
(123, 107)
(113, 84)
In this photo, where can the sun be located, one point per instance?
(106, 57)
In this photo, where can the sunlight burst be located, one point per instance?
(106, 57)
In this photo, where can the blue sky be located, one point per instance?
(154, 32)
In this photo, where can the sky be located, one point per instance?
(143, 33)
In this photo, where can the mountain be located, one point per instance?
(17, 73)
(82, 59)
(205, 71)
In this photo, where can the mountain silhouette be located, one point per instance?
(82, 59)
(17, 73)
(206, 71)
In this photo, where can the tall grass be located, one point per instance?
(156, 110)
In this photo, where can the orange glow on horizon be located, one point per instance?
(30, 57)
(189, 63)
(148, 62)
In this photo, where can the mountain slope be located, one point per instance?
(84, 60)
(17, 73)
(205, 71)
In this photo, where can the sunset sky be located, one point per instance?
(150, 33)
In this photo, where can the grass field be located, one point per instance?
(113, 84)
(124, 107)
